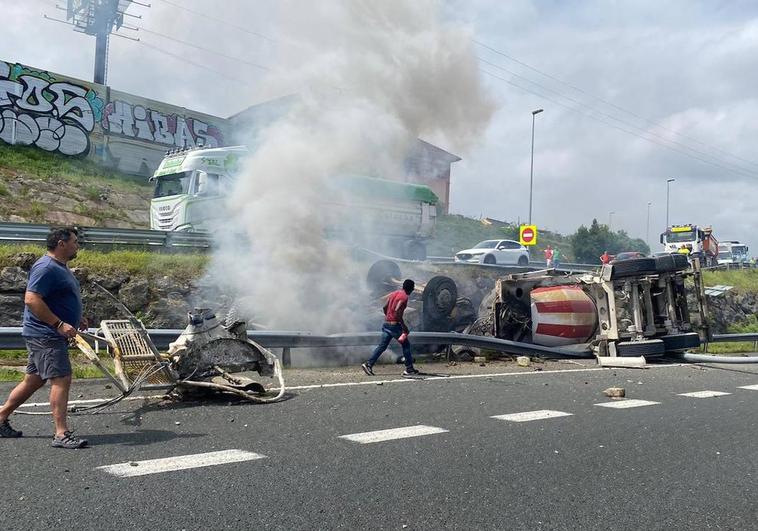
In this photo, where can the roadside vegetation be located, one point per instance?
(33, 162)
(149, 265)
(745, 280)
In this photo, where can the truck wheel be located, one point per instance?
(380, 276)
(634, 267)
(415, 250)
(671, 262)
(490, 259)
(681, 341)
(439, 298)
(523, 261)
(648, 347)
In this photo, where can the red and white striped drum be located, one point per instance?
(562, 315)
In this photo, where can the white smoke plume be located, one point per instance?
(370, 78)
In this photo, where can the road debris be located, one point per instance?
(615, 392)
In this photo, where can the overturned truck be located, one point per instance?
(641, 307)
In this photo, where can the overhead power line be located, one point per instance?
(209, 50)
(695, 153)
(611, 104)
(189, 61)
(578, 111)
(220, 21)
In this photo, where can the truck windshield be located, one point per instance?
(679, 237)
(724, 255)
(487, 244)
(173, 184)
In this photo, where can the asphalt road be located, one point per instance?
(682, 463)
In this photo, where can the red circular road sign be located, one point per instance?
(527, 235)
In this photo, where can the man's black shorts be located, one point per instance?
(48, 357)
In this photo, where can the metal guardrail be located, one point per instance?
(10, 338)
(100, 236)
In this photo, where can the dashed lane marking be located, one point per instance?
(624, 404)
(395, 433)
(749, 387)
(527, 416)
(181, 462)
(704, 394)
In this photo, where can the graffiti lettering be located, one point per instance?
(138, 122)
(37, 110)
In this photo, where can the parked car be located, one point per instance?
(495, 252)
(628, 255)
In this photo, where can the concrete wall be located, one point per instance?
(73, 117)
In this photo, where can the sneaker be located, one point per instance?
(367, 369)
(7, 432)
(411, 372)
(69, 441)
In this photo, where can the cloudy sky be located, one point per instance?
(633, 92)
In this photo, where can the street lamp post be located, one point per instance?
(610, 220)
(668, 189)
(531, 166)
(647, 230)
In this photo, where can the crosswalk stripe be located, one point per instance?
(180, 462)
(395, 433)
(624, 404)
(704, 394)
(749, 387)
(527, 416)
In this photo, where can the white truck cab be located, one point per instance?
(387, 216)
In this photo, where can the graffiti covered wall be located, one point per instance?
(74, 117)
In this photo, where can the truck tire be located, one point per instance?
(633, 267)
(439, 298)
(380, 276)
(415, 250)
(489, 259)
(681, 341)
(523, 261)
(648, 347)
(671, 262)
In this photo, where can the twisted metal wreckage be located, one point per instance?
(621, 314)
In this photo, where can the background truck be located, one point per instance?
(385, 216)
(732, 252)
(697, 242)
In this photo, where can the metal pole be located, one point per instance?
(101, 56)
(647, 229)
(531, 166)
(668, 190)
(610, 220)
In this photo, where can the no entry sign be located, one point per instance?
(527, 235)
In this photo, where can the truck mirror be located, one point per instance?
(661, 238)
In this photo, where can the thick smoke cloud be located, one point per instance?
(371, 77)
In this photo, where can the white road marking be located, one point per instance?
(704, 394)
(395, 433)
(749, 387)
(181, 462)
(624, 404)
(374, 382)
(526, 416)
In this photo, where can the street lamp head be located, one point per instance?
(670, 180)
(537, 111)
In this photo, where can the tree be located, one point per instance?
(589, 244)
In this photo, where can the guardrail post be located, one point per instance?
(286, 357)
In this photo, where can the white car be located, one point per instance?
(495, 252)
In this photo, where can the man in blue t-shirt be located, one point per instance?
(52, 315)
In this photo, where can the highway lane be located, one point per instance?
(681, 463)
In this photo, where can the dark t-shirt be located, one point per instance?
(60, 290)
(396, 303)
